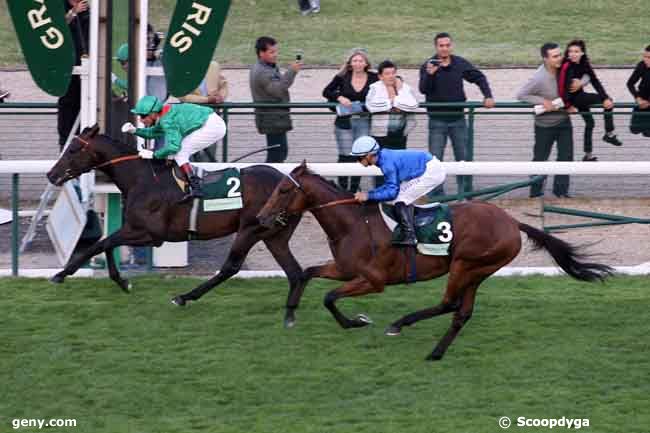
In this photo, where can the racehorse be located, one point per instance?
(152, 213)
(485, 239)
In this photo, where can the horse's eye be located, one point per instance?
(285, 191)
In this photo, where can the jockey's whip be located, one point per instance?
(246, 155)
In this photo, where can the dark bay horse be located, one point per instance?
(485, 239)
(152, 213)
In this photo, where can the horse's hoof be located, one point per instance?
(393, 330)
(364, 319)
(178, 301)
(126, 286)
(434, 357)
(57, 279)
(289, 322)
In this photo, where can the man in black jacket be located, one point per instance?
(441, 80)
(77, 17)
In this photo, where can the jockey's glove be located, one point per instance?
(146, 154)
(128, 128)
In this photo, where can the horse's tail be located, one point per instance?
(567, 256)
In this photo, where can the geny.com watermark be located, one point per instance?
(568, 423)
(40, 423)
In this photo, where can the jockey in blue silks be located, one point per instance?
(408, 175)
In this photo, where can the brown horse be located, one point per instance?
(152, 213)
(485, 239)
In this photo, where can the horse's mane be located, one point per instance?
(124, 147)
(329, 183)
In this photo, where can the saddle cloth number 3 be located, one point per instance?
(447, 234)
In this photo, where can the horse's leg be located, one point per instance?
(460, 318)
(279, 248)
(442, 308)
(357, 287)
(328, 270)
(238, 252)
(120, 237)
(114, 272)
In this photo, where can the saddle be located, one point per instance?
(222, 191)
(433, 227)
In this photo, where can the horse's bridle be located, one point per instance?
(87, 146)
(284, 215)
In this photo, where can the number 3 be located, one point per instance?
(234, 191)
(445, 228)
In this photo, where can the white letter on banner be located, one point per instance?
(191, 29)
(178, 40)
(202, 14)
(54, 34)
(35, 17)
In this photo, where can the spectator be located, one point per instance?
(552, 124)
(154, 84)
(309, 7)
(77, 17)
(351, 84)
(441, 80)
(268, 85)
(640, 123)
(212, 90)
(575, 65)
(393, 101)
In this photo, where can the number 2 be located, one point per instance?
(234, 191)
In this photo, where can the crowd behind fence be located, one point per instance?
(504, 133)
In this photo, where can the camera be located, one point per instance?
(435, 62)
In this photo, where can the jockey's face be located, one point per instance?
(367, 160)
(150, 119)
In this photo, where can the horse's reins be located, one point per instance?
(331, 204)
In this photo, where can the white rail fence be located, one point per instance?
(452, 168)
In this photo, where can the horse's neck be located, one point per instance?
(340, 219)
(127, 174)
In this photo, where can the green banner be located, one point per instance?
(193, 35)
(46, 42)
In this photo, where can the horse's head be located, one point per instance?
(288, 198)
(85, 152)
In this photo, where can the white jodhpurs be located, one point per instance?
(213, 130)
(413, 189)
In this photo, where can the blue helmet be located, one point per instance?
(364, 145)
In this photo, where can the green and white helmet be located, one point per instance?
(122, 54)
(364, 145)
(147, 105)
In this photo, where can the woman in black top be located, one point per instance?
(575, 65)
(349, 85)
(640, 123)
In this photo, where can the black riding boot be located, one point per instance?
(406, 215)
(194, 184)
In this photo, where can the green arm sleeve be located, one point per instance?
(173, 140)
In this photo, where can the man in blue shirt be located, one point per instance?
(408, 175)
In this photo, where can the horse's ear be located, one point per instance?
(93, 130)
(302, 167)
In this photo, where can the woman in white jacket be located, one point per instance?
(391, 101)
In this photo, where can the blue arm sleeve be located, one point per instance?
(389, 190)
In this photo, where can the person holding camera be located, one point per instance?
(441, 80)
(269, 85)
(349, 89)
